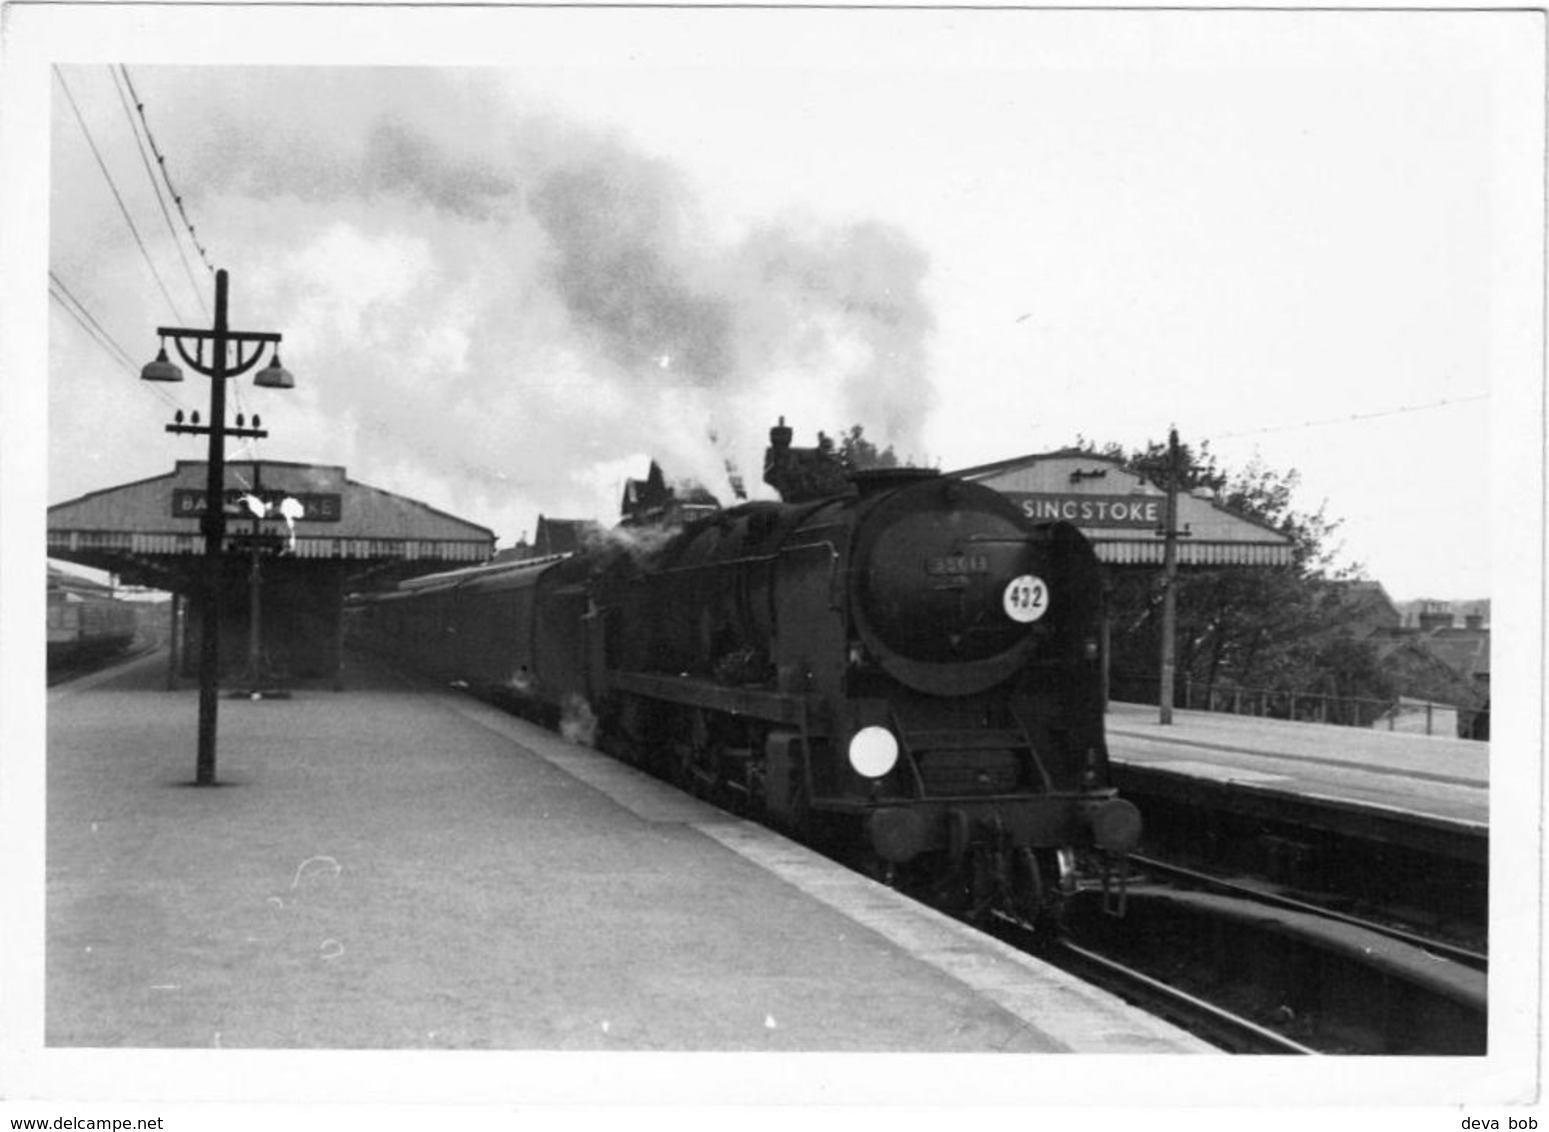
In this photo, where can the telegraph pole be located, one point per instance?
(1170, 535)
(220, 367)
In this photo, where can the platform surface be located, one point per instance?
(1435, 778)
(397, 867)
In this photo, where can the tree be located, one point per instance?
(1238, 626)
(858, 454)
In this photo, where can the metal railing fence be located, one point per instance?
(1413, 716)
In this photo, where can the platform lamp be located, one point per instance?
(248, 347)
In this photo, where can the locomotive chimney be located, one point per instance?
(780, 437)
(777, 457)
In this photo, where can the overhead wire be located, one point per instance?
(1400, 410)
(91, 332)
(81, 313)
(67, 300)
(156, 187)
(161, 161)
(177, 199)
(113, 185)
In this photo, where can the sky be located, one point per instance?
(1312, 242)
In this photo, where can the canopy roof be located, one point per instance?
(1123, 513)
(148, 531)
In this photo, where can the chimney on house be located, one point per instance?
(1435, 615)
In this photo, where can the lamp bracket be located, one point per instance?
(182, 336)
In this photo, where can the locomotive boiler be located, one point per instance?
(906, 673)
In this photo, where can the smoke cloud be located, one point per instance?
(626, 271)
(495, 304)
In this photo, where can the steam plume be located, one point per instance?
(533, 300)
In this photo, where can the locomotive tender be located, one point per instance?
(907, 672)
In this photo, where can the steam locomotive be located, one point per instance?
(905, 673)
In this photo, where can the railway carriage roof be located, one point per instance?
(497, 575)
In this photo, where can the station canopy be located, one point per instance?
(1123, 514)
(148, 532)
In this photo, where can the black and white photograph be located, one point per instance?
(779, 561)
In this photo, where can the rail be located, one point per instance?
(1467, 957)
(1226, 1029)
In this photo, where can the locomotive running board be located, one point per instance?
(776, 707)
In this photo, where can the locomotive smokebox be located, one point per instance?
(948, 587)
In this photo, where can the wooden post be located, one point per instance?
(213, 525)
(1105, 640)
(174, 642)
(1170, 582)
(338, 650)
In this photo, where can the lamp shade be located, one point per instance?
(162, 369)
(274, 375)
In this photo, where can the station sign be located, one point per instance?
(1135, 512)
(317, 507)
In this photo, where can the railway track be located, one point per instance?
(1468, 957)
(1321, 980)
(1428, 877)
(1230, 1031)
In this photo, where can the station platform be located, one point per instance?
(397, 866)
(1431, 791)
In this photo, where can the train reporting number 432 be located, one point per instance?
(1026, 598)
